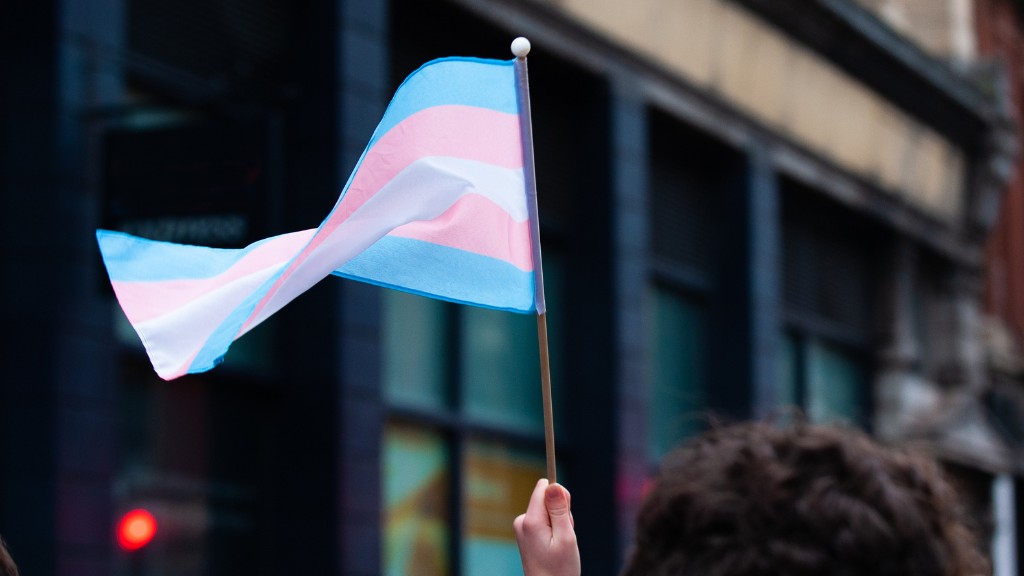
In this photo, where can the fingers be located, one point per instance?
(547, 542)
(536, 511)
(550, 506)
(556, 498)
(536, 515)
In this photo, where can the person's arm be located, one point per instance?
(545, 533)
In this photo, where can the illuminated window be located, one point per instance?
(417, 502)
(498, 482)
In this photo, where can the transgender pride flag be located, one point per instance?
(437, 205)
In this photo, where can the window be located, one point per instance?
(826, 380)
(198, 454)
(498, 482)
(498, 361)
(464, 443)
(835, 384)
(677, 337)
(823, 363)
(689, 174)
(417, 501)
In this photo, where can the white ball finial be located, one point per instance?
(520, 47)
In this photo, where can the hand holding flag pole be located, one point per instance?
(520, 48)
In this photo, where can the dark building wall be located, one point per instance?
(56, 406)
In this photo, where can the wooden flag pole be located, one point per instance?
(521, 47)
(545, 386)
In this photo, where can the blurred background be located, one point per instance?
(746, 206)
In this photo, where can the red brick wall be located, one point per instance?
(1001, 35)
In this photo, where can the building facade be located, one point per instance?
(745, 206)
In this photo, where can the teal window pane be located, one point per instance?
(498, 484)
(787, 383)
(835, 385)
(501, 368)
(416, 500)
(415, 350)
(677, 374)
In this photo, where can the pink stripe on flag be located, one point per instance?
(475, 224)
(455, 131)
(458, 131)
(143, 301)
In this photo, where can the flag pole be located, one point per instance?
(520, 48)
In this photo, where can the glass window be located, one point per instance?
(677, 375)
(199, 454)
(787, 383)
(499, 481)
(835, 381)
(500, 368)
(416, 343)
(416, 502)
(459, 368)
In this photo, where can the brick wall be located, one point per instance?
(1001, 35)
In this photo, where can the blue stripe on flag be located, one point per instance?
(452, 81)
(441, 272)
(216, 346)
(132, 259)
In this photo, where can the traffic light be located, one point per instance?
(136, 529)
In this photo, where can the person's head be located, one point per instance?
(7, 566)
(755, 499)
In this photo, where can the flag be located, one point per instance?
(437, 205)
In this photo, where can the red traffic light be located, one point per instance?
(136, 529)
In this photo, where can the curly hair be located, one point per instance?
(754, 499)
